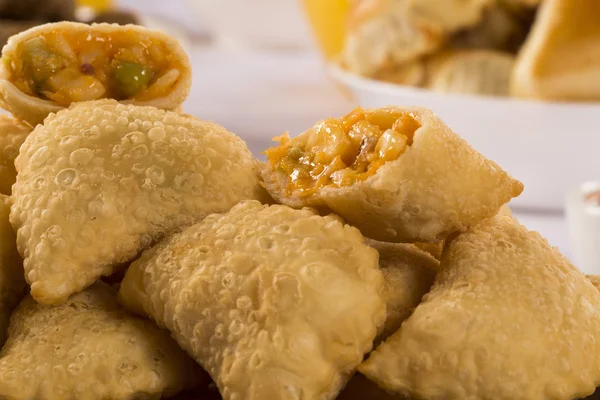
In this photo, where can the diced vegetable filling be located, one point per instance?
(340, 152)
(67, 67)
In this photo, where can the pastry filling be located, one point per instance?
(340, 152)
(67, 67)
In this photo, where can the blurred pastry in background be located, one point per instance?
(561, 58)
(411, 73)
(500, 29)
(44, 10)
(381, 35)
(483, 72)
(447, 15)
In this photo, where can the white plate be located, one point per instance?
(550, 147)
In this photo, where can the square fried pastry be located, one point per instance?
(47, 68)
(408, 273)
(508, 318)
(561, 57)
(399, 174)
(90, 349)
(12, 136)
(274, 303)
(101, 181)
(12, 281)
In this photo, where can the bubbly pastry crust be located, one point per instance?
(408, 273)
(595, 279)
(101, 181)
(508, 317)
(416, 194)
(561, 57)
(12, 281)
(274, 303)
(482, 72)
(12, 136)
(34, 109)
(90, 349)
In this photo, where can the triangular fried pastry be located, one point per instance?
(274, 303)
(561, 57)
(101, 181)
(399, 174)
(90, 348)
(508, 318)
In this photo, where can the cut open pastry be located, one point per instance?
(561, 57)
(48, 67)
(274, 303)
(508, 317)
(90, 348)
(398, 174)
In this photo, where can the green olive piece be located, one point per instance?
(131, 77)
(40, 62)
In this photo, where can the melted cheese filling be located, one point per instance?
(340, 152)
(67, 67)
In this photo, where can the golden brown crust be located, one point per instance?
(421, 195)
(101, 181)
(12, 280)
(34, 110)
(274, 303)
(508, 317)
(561, 57)
(408, 273)
(12, 136)
(90, 348)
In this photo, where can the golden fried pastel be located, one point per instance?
(12, 136)
(274, 303)
(51, 66)
(90, 349)
(508, 318)
(397, 174)
(101, 181)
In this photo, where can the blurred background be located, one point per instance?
(264, 67)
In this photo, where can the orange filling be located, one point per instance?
(340, 152)
(81, 65)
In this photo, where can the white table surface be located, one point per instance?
(259, 94)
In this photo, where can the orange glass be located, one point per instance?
(328, 21)
(98, 5)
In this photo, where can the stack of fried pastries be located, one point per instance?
(146, 254)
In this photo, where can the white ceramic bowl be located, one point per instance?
(583, 220)
(550, 147)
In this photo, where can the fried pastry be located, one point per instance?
(101, 181)
(49, 67)
(12, 281)
(398, 174)
(481, 72)
(90, 348)
(408, 273)
(12, 136)
(274, 303)
(595, 279)
(409, 74)
(561, 57)
(448, 15)
(382, 35)
(508, 317)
